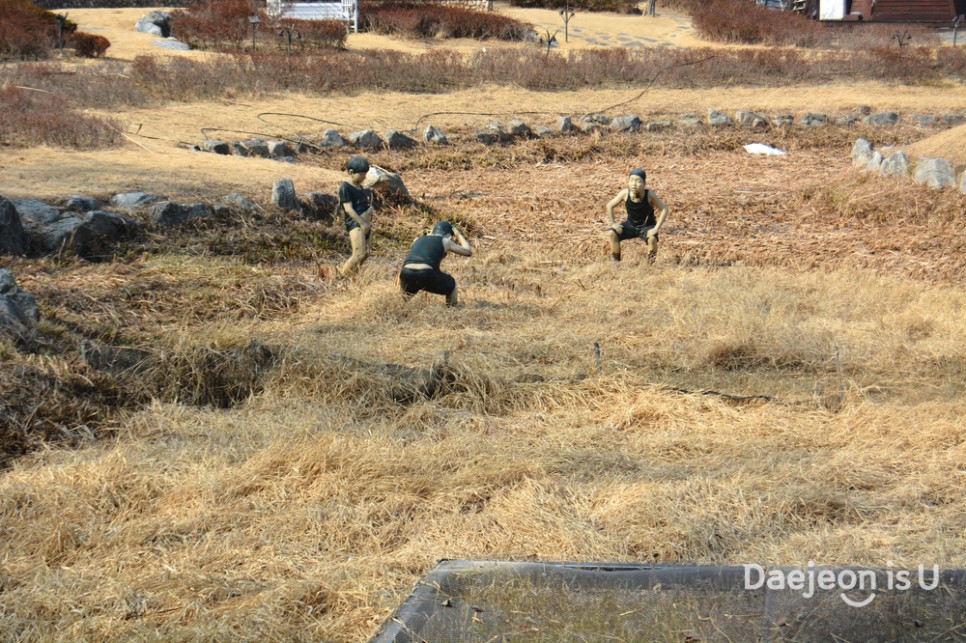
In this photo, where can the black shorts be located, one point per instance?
(434, 281)
(630, 231)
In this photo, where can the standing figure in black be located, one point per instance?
(640, 204)
(356, 204)
(420, 270)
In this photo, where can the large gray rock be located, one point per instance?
(434, 135)
(747, 118)
(952, 119)
(134, 200)
(304, 145)
(101, 230)
(52, 236)
(519, 129)
(487, 138)
(875, 162)
(36, 211)
(896, 164)
(156, 23)
(283, 195)
(781, 120)
(255, 147)
(12, 238)
(386, 182)
(366, 139)
(82, 204)
(218, 147)
(332, 138)
(169, 213)
(815, 119)
(501, 134)
(628, 123)
(657, 126)
(238, 202)
(396, 140)
(600, 119)
(565, 124)
(18, 310)
(962, 183)
(718, 119)
(861, 152)
(922, 120)
(936, 173)
(279, 149)
(91, 234)
(885, 119)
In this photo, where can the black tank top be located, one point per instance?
(641, 213)
(428, 250)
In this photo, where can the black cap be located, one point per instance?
(357, 164)
(443, 228)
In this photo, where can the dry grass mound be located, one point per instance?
(310, 509)
(944, 145)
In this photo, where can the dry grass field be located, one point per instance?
(786, 384)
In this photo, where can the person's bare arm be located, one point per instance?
(355, 216)
(458, 246)
(657, 204)
(613, 203)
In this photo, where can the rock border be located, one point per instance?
(937, 173)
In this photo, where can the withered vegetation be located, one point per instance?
(211, 436)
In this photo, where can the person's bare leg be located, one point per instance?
(452, 299)
(615, 245)
(651, 249)
(360, 251)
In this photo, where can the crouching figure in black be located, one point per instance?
(421, 271)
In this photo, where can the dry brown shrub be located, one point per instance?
(89, 45)
(27, 31)
(314, 34)
(216, 24)
(432, 20)
(55, 402)
(29, 118)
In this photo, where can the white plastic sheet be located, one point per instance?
(761, 148)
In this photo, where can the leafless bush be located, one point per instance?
(741, 21)
(89, 45)
(27, 31)
(215, 24)
(150, 80)
(427, 20)
(619, 6)
(30, 118)
(313, 35)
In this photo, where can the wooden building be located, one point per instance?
(884, 10)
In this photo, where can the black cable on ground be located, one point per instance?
(637, 96)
